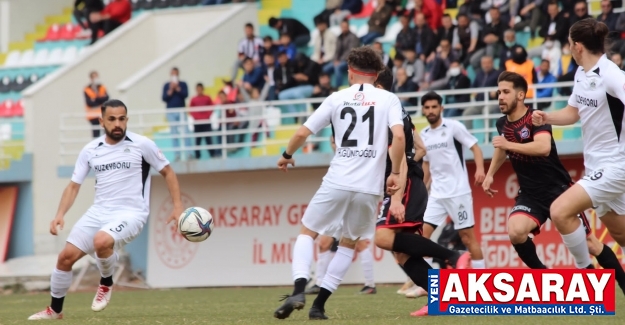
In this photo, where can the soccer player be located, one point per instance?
(121, 161)
(401, 214)
(542, 177)
(446, 171)
(598, 100)
(360, 116)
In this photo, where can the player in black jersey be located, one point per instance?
(401, 215)
(541, 175)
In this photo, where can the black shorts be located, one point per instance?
(415, 201)
(537, 209)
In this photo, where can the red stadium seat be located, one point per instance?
(67, 32)
(6, 108)
(367, 10)
(18, 109)
(54, 33)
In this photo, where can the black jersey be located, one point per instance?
(409, 128)
(536, 174)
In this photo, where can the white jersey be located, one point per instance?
(444, 152)
(599, 95)
(360, 117)
(122, 173)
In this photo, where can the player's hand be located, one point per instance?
(539, 118)
(175, 215)
(488, 181)
(392, 184)
(57, 222)
(479, 176)
(500, 142)
(398, 211)
(284, 163)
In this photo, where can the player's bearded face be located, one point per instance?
(506, 106)
(115, 122)
(115, 133)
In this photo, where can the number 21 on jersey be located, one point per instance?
(367, 117)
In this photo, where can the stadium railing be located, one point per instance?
(266, 120)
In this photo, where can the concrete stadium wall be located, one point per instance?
(118, 56)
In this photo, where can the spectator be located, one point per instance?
(253, 76)
(406, 38)
(95, 96)
(607, 15)
(251, 46)
(269, 47)
(567, 68)
(457, 80)
(324, 45)
(425, 38)
(552, 51)
(466, 37)
(493, 37)
(523, 66)
(83, 13)
(398, 63)
(509, 41)
(283, 74)
(618, 60)
(270, 67)
(305, 75)
(349, 7)
(114, 15)
(504, 6)
(431, 11)
(377, 22)
(322, 89)
(202, 123)
(555, 25)
(544, 77)
(331, 6)
(436, 77)
(529, 14)
(403, 84)
(287, 46)
(386, 59)
(175, 92)
(446, 31)
(228, 114)
(415, 68)
(345, 42)
(580, 12)
(486, 77)
(300, 35)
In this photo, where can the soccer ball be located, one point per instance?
(195, 224)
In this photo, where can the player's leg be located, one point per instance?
(461, 211)
(323, 260)
(79, 243)
(324, 211)
(606, 258)
(357, 222)
(417, 269)
(366, 261)
(527, 216)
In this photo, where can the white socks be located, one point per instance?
(107, 265)
(366, 260)
(323, 260)
(337, 268)
(576, 242)
(60, 281)
(478, 264)
(302, 257)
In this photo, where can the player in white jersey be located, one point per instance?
(351, 190)
(446, 172)
(598, 100)
(121, 162)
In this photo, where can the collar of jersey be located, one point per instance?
(440, 126)
(595, 67)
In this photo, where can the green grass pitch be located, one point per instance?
(256, 306)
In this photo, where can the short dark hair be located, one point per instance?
(462, 15)
(267, 38)
(175, 68)
(365, 59)
(591, 33)
(447, 15)
(385, 79)
(273, 21)
(247, 58)
(199, 84)
(431, 96)
(92, 73)
(319, 20)
(517, 80)
(113, 103)
(543, 61)
(249, 25)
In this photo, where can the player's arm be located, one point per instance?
(81, 170)
(396, 152)
(403, 174)
(566, 116)
(332, 143)
(499, 157)
(427, 177)
(478, 157)
(298, 139)
(541, 146)
(174, 188)
(419, 147)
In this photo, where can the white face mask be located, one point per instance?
(95, 81)
(566, 52)
(174, 79)
(549, 44)
(454, 71)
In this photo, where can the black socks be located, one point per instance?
(322, 297)
(106, 281)
(299, 286)
(57, 304)
(417, 269)
(608, 260)
(527, 254)
(417, 246)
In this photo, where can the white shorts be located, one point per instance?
(606, 188)
(336, 231)
(330, 209)
(123, 227)
(459, 208)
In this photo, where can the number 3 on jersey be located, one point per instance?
(346, 141)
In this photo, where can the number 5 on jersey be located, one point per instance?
(346, 141)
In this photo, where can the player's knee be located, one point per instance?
(103, 243)
(557, 212)
(362, 245)
(66, 260)
(466, 235)
(595, 247)
(349, 243)
(517, 235)
(325, 243)
(383, 240)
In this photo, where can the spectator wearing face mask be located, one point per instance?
(552, 52)
(509, 38)
(457, 80)
(523, 66)
(175, 93)
(566, 69)
(95, 96)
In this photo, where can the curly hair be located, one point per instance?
(365, 59)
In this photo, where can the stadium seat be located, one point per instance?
(53, 34)
(5, 84)
(56, 57)
(6, 109)
(367, 10)
(68, 32)
(177, 3)
(136, 4)
(362, 31)
(70, 54)
(147, 4)
(18, 109)
(191, 2)
(12, 59)
(27, 58)
(18, 84)
(41, 57)
(391, 33)
(161, 4)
